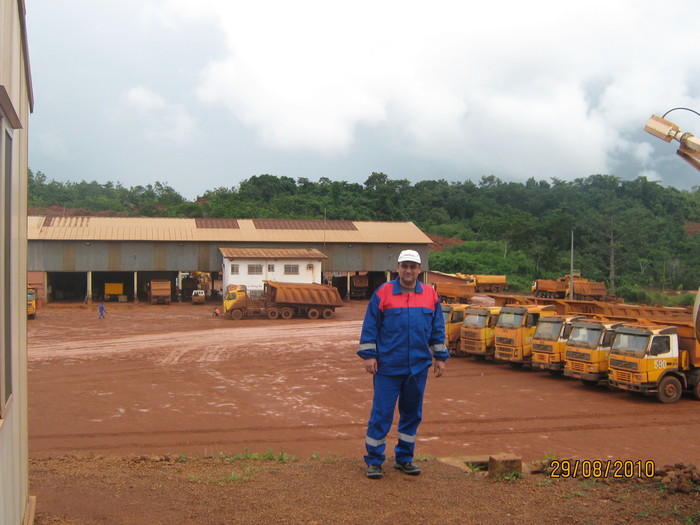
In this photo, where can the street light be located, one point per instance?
(689, 149)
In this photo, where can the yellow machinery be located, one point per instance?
(515, 330)
(549, 342)
(478, 331)
(283, 300)
(31, 302)
(453, 315)
(658, 359)
(588, 348)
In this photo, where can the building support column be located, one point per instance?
(89, 288)
(388, 275)
(136, 287)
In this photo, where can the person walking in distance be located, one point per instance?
(102, 311)
(403, 334)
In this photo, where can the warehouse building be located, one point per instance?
(74, 258)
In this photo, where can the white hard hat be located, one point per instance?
(409, 255)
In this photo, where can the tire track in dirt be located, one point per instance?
(187, 342)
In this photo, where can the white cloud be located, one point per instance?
(160, 119)
(314, 88)
(501, 86)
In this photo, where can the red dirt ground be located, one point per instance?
(174, 381)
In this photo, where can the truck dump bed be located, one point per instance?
(590, 288)
(549, 285)
(454, 291)
(303, 293)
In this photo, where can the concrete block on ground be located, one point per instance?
(501, 465)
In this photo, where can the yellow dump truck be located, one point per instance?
(486, 283)
(656, 359)
(515, 330)
(588, 348)
(549, 342)
(584, 290)
(478, 331)
(283, 301)
(160, 291)
(31, 302)
(453, 315)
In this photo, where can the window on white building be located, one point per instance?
(271, 268)
(234, 269)
(291, 269)
(255, 269)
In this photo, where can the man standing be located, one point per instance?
(402, 333)
(101, 310)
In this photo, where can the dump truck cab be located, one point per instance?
(515, 330)
(648, 359)
(235, 298)
(549, 342)
(588, 348)
(453, 314)
(478, 331)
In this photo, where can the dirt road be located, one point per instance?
(156, 379)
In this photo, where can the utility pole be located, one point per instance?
(571, 269)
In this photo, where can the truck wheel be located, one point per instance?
(327, 313)
(273, 313)
(313, 313)
(286, 313)
(236, 314)
(670, 390)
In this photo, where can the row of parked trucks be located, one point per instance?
(650, 350)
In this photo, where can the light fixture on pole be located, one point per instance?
(689, 149)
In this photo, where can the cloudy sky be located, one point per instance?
(205, 94)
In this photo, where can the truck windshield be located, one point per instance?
(548, 331)
(509, 320)
(30, 295)
(634, 344)
(584, 337)
(475, 320)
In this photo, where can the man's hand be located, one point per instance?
(439, 368)
(371, 366)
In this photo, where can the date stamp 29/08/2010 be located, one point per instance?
(602, 468)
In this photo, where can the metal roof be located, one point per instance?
(221, 230)
(271, 253)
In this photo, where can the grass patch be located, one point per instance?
(268, 455)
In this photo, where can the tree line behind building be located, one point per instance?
(636, 235)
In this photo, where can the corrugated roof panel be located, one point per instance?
(297, 224)
(215, 223)
(176, 229)
(271, 253)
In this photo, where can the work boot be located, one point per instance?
(407, 468)
(374, 472)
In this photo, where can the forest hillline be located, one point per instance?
(636, 235)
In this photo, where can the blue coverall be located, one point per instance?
(404, 332)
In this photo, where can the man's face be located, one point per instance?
(408, 273)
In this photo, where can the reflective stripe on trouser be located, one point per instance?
(409, 391)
